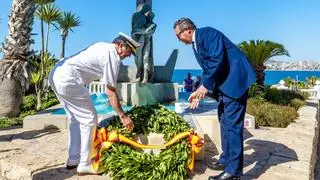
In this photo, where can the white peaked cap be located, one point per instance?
(134, 45)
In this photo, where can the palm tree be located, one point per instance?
(259, 52)
(40, 7)
(14, 71)
(311, 81)
(49, 14)
(289, 82)
(67, 21)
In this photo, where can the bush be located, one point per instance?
(297, 103)
(270, 115)
(51, 101)
(253, 90)
(283, 97)
(29, 103)
(28, 107)
(27, 113)
(305, 95)
(7, 122)
(256, 91)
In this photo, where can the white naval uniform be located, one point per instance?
(67, 79)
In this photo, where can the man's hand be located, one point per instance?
(201, 92)
(194, 102)
(114, 101)
(196, 96)
(127, 122)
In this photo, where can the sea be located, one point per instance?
(272, 76)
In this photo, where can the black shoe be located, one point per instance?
(215, 166)
(71, 167)
(224, 176)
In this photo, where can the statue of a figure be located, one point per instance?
(143, 28)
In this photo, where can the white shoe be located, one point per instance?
(88, 170)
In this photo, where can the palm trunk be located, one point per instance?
(45, 79)
(46, 88)
(260, 75)
(38, 91)
(47, 40)
(63, 45)
(14, 73)
(260, 78)
(42, 46)
(11, 94)
(38, 87)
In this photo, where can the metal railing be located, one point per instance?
(314, 93)
(98, 87)
(180, 88)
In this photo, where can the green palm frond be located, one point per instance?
(36, 77)
(49, 13)
(43, 2)
(289, 82)
(49, 62)
(67, 21)
(260, 51)
(35, 61)
(311, 81)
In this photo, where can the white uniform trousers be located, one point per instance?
(82, 118)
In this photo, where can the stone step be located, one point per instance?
(44, 119)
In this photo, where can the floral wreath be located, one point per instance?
(120, 156)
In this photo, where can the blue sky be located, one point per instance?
(294, 23)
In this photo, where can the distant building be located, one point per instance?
(298, 65)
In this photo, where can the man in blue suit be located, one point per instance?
(227, 74)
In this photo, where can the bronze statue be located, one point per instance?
(143, 28)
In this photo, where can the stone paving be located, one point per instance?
(270, 153)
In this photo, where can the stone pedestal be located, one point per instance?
(210, 125)
(147, 93)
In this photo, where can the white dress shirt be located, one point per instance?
(194, 40)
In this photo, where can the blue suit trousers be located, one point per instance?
(231, 113)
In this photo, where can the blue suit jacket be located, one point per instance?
(224, 65)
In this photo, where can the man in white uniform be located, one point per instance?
(67, 79)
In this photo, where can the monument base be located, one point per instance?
(139, 94)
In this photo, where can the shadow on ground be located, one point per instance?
(54, 173)
(32, 134)
(211, 152)
(265, 154)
